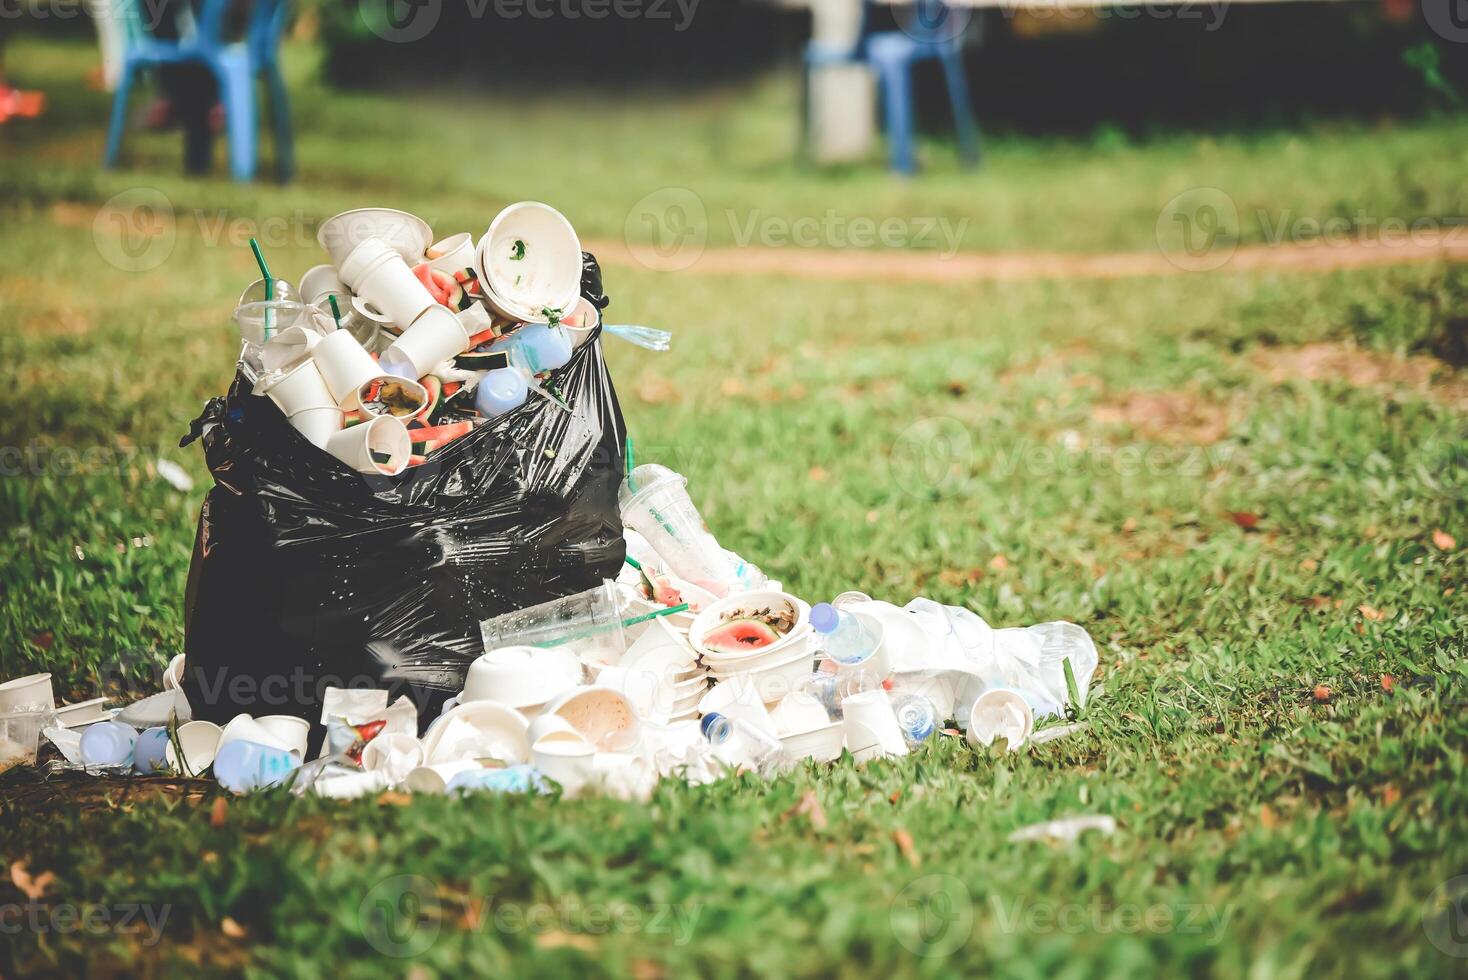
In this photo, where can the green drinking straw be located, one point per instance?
(630, 485)
(335, 310)
(269, 283)
(681, 607)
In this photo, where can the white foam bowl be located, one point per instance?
(548, 273)
(713, 615)
(777, 680)
(408, 234)
(763, 657)
(598, 713)
(521, 676)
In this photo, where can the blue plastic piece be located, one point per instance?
(243, 767)
(149, 750)
(501, 390)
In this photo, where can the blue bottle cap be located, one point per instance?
(709, 721)
(824, 617)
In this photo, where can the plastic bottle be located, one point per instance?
(847, 640)
(916, 716)
(243, 767)
(501, 390)
(108, 743)
(515, 779)
(536, 347)
(740, 743)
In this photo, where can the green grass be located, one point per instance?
(888, 437)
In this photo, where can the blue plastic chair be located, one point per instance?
(892, 54)
(235, 65)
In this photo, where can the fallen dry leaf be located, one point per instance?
(231, 928)
(1390, 794)
(999, 563)
(1309, 565)
(1371, 613)
(44, 639)
(1243, 518)
(905, 845)
(1322, 693)
(218, 812)
(810, 807)
(559, 939)
(1388, 683)
(1318, 601)
(1267, 819)
(33, 886)
(817, 473)
(1443, 540)
(393, 798)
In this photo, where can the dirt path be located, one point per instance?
(908, 266)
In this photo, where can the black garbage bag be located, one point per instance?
(308, 575)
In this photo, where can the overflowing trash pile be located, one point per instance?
(652, 652)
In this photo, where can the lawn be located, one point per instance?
(1246, 485)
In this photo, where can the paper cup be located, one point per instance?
(345, 367)
(570, 763)
(433, 338)
(406, 233)
(243, 728)
(380, 445)
(321, 281)
(452, 254)
(528, 261)
(288, 729)
(304, 399)
(871, 724)
(580, 321)
(1000, 713)
(174, 675)
(200, 742)
(604, 717)
(822, 744)
(83, 713)
(435, 778)
(23, 693)
(378, 275)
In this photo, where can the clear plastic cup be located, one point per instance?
(259, 321)
(654, 502)
(588, 622)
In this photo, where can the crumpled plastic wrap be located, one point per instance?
(307, 574)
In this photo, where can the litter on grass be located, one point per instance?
(690, 664)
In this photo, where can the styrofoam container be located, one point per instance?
(777, 680)
(822, 744)
(408, 234)
(521, 676)
(435, 778)
(570, 763)
(529, 260)
(30, 691)
(499, 726)
(83, 713)
(761, 657)
(753, 601)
